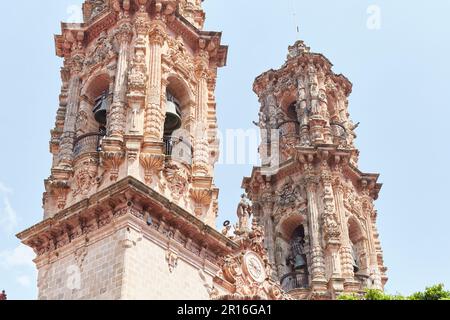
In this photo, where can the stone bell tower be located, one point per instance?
(130, 204)
(316, 206)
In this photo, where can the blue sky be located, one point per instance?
(399, 71)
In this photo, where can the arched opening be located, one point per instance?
(357, 242)
(177, 138)
(292, 255)
(91, 120)
(298, 255)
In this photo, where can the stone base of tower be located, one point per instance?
(124, 244)
(126, 265)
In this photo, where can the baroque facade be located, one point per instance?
(130, 206)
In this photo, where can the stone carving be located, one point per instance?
(244, 213)
(179, 57)
(201, 197)
(96, 7)
(152, 164)
(137, 76)
(178, 178)
(111, 161)
(290, 195)
(81, 122)
(102, 51)
(59, 189)
(297, 49)
(248, 270)
(85, 176)
(330, 224)
(172, 260)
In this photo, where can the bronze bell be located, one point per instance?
(299, 262)
(355, 261)
(173, 115)
(101, 108)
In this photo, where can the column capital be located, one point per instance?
(157, 33)
(124, 33)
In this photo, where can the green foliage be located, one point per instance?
(436, 292)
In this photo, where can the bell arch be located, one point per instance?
(180, 102)
(358, 242)
(291, 252)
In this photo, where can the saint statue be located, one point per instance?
(244, 213)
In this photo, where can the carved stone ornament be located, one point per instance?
(248, 271)
(137, 76)
(178, 178)
(172, 260)
(96, 7)
(111, 161)
(101, 52)
(152, 164)
(254, 267)
(85, 176)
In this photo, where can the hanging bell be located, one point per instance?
(173, 115)
(300, 262)
(101, 108)
(355, 261)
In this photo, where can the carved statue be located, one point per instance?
(244, 213)
(262, 124)
(302, 105)
(98, 6)
(226, 228)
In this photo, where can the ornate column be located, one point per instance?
(346, 249)
(302, 113)
(319, 282)
(154, 117)
(68, 136)
(201, 146)
(152, 156)
(374, 270)
(317, 121)
(137, 91)
(117, 115)
(113, 154)
(331, 228)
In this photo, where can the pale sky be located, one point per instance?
(399, 69)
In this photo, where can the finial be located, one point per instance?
(298, 49)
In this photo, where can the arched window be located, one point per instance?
(357, 242)
(177, 138)
(298, 255)
(92, 116)
(294, 269)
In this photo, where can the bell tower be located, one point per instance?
(130, 205)
(316, 206)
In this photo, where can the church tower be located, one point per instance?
(316, 206)
(130, 206)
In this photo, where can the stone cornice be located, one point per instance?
(318, 153)
(193, 36)
(135, 194)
